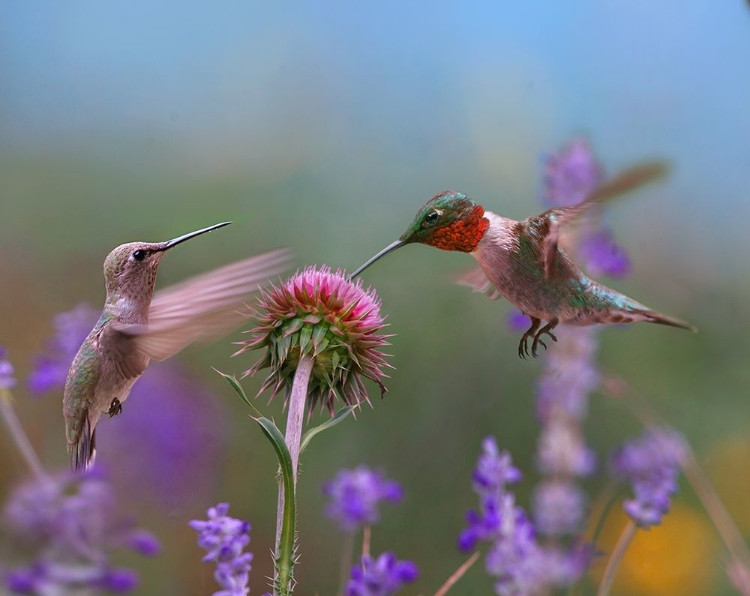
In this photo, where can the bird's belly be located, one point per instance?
(111, 389)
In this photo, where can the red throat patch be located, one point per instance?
(463, 235)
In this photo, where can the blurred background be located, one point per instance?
(324, 126)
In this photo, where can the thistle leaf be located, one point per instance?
(232, 380)
(308, 436)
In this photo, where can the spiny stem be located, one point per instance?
(457, 575)
(292, 438)
(614, 560)
(19, 435)
(296, 414)
(346, 560)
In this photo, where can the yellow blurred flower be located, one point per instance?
(677, 557)
(727, 467)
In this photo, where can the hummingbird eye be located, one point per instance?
(139, 255)
(431, 218)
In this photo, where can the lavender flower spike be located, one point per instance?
(355, 496)
(61, 530)
(381, 577)
(650, 464)
(224, 539)
(7, 380)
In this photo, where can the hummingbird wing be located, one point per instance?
(556, 218)
(478, 281)
(201, 308)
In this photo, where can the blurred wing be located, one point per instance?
(479, 282)
(204, 307)
(626, 181)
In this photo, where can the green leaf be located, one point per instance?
(232, 380)
(304, 338)
(285, 559)
(308, 436)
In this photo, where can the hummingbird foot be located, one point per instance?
(115, 408)
(547, 329)
(523, 345)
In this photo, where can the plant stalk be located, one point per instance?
(19, 436)
(616, 558)
(292, 438)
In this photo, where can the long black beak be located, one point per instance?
(180, 239)
(390, 248)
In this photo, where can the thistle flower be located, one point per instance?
(650, 464)
(224, 539)
(7, 380)
(323, 315)
(382, 576)
(570, 175)
(62, 531)
(169, 450)
(356, 494)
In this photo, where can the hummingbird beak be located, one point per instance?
(390, 248)
(180, 239)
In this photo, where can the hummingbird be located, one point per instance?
(137, 327)
(524, 262)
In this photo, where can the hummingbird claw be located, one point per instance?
(546, 330)
(523, 345)
(115, 408)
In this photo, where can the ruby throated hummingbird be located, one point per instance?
(138, 326)
(522, 260)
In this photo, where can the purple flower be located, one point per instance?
(570, 175)
(356, 494)
(650, 464)
(62, 530)
(519, 563)
(517, 321)
(381, 577)
(559, 507)
(169, 437)
(562, 451)
(569, 376)
(51, 367)
(494, 469)
(602, 256)
(321, 314)
(7, 380)
(224, 539)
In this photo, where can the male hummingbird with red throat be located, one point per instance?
(138, 326)
(523, 261)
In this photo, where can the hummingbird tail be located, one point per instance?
(83, 452)
(659, 319)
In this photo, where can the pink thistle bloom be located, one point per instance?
(337, 322)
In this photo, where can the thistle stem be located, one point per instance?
(457, 575)
(614, 560)
(19, 435)
(346, 560)
(293, 438)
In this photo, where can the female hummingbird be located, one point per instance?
(138, 326)
(522, 260)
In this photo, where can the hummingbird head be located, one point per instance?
(450, 221)
(130, 269)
